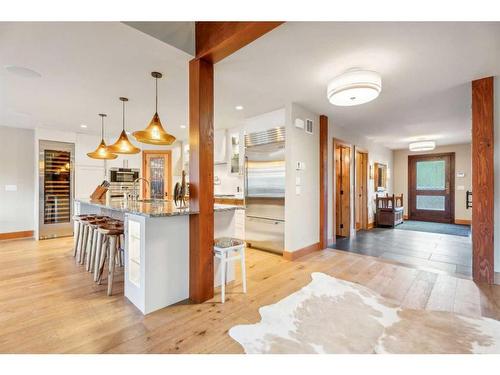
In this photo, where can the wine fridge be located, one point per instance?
(56, 189)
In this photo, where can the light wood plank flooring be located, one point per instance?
(50, 305)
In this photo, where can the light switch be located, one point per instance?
(10, 187)
(297, 190)
(460, 187)
(297, 180)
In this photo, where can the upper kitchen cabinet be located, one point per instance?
(220, 146)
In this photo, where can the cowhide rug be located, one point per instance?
(335, 316)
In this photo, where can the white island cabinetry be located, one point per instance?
(157, 248)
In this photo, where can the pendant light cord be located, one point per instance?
(156, 83)
(102, 127)
(123, 115)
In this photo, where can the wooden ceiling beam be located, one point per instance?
(217, 40)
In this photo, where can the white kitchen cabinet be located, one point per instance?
(220, 146)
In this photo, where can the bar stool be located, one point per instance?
(84, 240)
(112, 241)
(78, 232)
(228, 250)
(101, 242)
(92, 241)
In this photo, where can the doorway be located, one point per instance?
(431, 187)
(157, 169)
(361, 186)
(342, 189)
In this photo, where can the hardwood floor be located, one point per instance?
(432, 251)
(50, 305)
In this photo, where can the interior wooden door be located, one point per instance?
(157, 169)
(431, 190)
(361, 206)
(342, 190)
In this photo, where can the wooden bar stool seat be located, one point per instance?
(228, 250)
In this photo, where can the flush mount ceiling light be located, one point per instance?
(122, 144)
(354, 88)
(239, 108)
(154, 133)
(422, 146)
(21, 71)
(83, 126)
(102, 151)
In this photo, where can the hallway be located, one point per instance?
(432, 251)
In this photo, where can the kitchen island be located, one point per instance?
(157, 247)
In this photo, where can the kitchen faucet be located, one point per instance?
(135, 192)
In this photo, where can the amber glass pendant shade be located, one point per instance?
(102, 151)
(154, 133)
(122, 144)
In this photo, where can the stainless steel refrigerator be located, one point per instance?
(265, 189)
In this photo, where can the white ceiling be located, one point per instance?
(426, 71)
(85, 67)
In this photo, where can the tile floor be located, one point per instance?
(449, 253)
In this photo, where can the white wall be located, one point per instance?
(376, 153)
(16, 168)
(463, 163)
(301, 209)
(496, 216)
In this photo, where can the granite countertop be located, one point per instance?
(160, 208)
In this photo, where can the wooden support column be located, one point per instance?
(201, 180)
(482, 180)
(323, 182)
(214, 41)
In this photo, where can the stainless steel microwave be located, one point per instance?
(123, 174)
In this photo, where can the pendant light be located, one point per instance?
(122, 144)
(154, 133)
(102, 151)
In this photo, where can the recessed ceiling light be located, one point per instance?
(422, 146)
(83, 126)
(354, 88)
(183, 126)
(239, 107)
(21, 71)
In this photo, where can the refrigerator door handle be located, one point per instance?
(246, 177)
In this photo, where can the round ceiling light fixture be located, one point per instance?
(422, 146)
(354, 87)
(21, 71)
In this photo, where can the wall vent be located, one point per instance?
(309, 126)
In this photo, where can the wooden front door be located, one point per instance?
(360, 205)
(431, 190)
(157, 169)
(342, 189)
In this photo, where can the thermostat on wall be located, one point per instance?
(299, 123)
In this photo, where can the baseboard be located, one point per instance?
(405, 217)
(14, 235)
(463, 221)
(292, 255)
(331, 241)
(371, 225)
